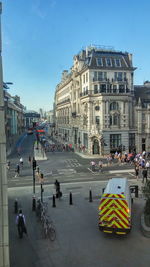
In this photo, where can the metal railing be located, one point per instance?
(106, 91)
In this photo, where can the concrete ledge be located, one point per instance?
(145, 229)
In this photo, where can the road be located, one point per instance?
(78, 242)
(65, 166)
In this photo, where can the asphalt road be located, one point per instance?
(64, 166)
(79, 242)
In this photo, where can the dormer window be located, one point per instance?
(117, 62)
(108, 62)
(99, 61)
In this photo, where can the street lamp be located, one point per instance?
(5, 86)
(42, 190)
(34, 168)
(34, 200)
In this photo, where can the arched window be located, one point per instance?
(114, 106)
(111, 120)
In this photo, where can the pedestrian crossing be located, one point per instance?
(72, 163)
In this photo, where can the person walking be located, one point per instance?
(21, 224)
(100, 164)
(147, 165)
(93, 165)
(8, 165)
(30, 160)
(21, 161)
(17, 171)
(144, 174)
(58, 192)
(137, 171)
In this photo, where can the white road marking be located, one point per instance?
(122, 171)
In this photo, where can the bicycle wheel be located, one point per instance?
(51, 234)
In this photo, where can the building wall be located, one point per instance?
(94, 101)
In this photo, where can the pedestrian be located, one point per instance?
(21, 224)
(100, 164)
(137, 172)
(93, 165)
(30, 160)
(21, 161)
(144, 174)
(17, 171)
(8, 165)
(57, 186)
(147, 165)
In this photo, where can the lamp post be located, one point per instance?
(42, 190)
(34, 168)
(5, 86)
(4, 242)
(33, 199)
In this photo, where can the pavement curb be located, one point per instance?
(145, 229)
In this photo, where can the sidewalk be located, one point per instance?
(33, 250)
(88, 156)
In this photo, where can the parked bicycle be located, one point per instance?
(49, 229)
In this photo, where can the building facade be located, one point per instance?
(31, 117)
(94, 107)
(14, 118)
(142, 111)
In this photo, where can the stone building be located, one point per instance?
(96, 105)
(14, 119)
(142, 111)
(31, 117)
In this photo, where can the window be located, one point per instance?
(117, 62)
(114, 88)
(108, 62)
(131, 142)
(95, 75)
(115, 140)
(125, 76)
(95, 89)
(83, 78)
(111, 120)
(103, 88)
(114, 106)
(99, 61)
(121, 88)
(100, 76)
(97, 120)
(85, 140)
(114, 120)
(97, 108)
(86, 77)
(118, 76)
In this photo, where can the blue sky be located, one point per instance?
(40, 38)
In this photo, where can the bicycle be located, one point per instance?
(49, 230)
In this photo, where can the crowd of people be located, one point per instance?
(140, 161)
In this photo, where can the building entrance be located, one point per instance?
(95, 147)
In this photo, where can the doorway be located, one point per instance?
(95, 147)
